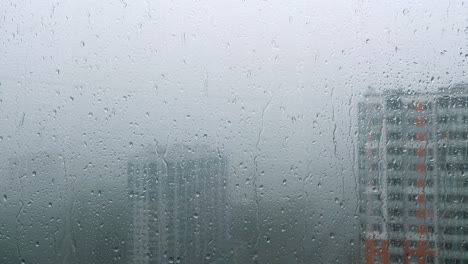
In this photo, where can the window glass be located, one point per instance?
(233, 131)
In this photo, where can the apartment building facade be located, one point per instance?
(413, 175)
(178, 200)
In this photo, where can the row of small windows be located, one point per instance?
(455, 261)
(398, 120)
(447, 182)
(453, 167)
(443, 102)
(397, 103)
(452, 102)
(455, 182)
(395, 135)
(411, 197)
(411, 182)
(455, 246)
(429, 260)
(455, 230)
(452, 246)
(453, 151)
(455, 214)
(409, 151)
(414, 197)
(411, 228)
(458, 151)
(399, 259)
(452, 198)
(451, 119)
(412, 243)
(420, 168)
(452, 135)
(443, 151)
(398, 166)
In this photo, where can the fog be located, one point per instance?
(272, 86)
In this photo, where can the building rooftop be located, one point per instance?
(455, 89)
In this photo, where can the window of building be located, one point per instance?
(394, 120)
(395, 151)
(394, 196)
(394, 104)
(395, 212)
(395, 181)
(465, 119)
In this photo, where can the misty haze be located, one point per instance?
(215, 132)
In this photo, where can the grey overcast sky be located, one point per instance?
(277, 80)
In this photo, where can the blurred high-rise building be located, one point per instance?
(178, 197)
(413, 164)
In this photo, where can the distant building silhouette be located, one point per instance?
(179, 205)
(413, 165)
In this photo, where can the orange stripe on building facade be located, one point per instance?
(421, 152)
(422, 213)
(420, 137)
(421, 198)
(420, 167)
(373, 252)
(420, 121)
(422, 229)
(420, 107)
(421, 252)
(420, 183)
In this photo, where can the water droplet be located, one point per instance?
(332, 235)
(82, 43)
